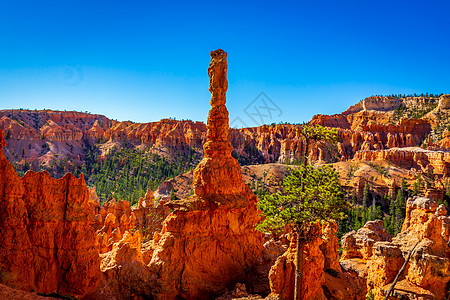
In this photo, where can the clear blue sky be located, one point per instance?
(143, 60)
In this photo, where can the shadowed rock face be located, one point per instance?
(47, 244)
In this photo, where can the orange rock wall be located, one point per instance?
(47, 242)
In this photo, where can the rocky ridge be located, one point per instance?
(369, 125)
(377, 257)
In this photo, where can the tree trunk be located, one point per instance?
(299, 265)
(400, 272)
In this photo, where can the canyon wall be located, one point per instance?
(369, 125)
(47, 242)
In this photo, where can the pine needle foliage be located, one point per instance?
(310, 195)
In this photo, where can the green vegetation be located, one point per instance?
(351, 172)
(380, 169)
(309, 196)
(442, 127)
(250, 155)
(415, 112)
(367, 208)
(124, 173)
(128, 173)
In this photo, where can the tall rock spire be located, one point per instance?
(218, 173)
(209, 241)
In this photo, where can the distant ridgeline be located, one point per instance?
(124, 159)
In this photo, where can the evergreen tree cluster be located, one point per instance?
(128, 173)
(124, 173)
(366, 208)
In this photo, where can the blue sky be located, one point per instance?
(143, 61)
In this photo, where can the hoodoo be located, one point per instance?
(218, 173)
(208, 243)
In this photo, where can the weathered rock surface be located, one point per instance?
(322, 277)
(49, 135)
(372, 255)
(444, 102)
(436, 162)
(359, 244)
(125, 274)
(208, 243)
(113, 219)
(377, 103)
(282, 276)
(9, 293)
(47, 242)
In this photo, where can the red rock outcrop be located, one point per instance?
(377, 103)
(49, 135)
(209, 243)
(358, 244)
(282, 276)
(428, 271)
(218, 173)
(47, 242)
(322, 277)
(9, 293)
(125, 274)
(429, 268)
(113, 219)
(426, 161)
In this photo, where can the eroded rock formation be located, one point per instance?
(426, 161)
(322, 277)
(113, 219)
(375, 257)
(46, 239)
(209, 243)
(359, 244)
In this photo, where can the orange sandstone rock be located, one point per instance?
(359, 244)
(47, 242)
(218, 173)
(208, 242)
(126, 276)
(282, 276)
(116, 218)
(322, 277)
(428, 270)
(330, 246)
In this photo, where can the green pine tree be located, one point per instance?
(366, 195)
(309, 196)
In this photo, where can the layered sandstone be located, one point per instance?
(377, 259)
(208, 242)
(322, 277)
(359, 244)
(47, 242)
(46, 135)
(426, 161)
(377, 103)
